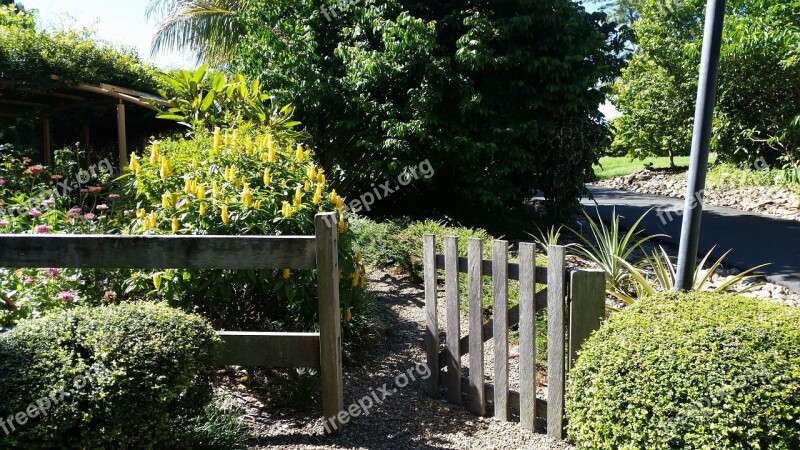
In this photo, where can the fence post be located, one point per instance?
(330, 338)
(431, 320)
(556, 284)
(587, 307)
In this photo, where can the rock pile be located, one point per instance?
(772, 201)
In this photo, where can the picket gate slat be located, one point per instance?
(500, 313)
(477, 400)
(527, 335)
(453, 315)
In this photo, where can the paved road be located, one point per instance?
(755, 239)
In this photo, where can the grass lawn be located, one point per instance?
(612, 167)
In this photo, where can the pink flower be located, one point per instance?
(113, 197)
(49, 202)
(56, 177)
(3, 223)
(66, 296)
(95, 189)
(73, 213)
(52, 272)
(3, 181)
(35, 213)
(28, 280)
(34, 170)
(89, 216)
(102, 207)
(42, 229)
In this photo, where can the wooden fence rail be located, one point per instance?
(321, 350)
(570, 320)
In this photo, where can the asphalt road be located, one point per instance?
(755, 239)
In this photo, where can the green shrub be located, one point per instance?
(690, 371)
(146, 370)
(379, 243)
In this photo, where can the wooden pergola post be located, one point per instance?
(123, 143)
(47, 153)
(86, 143)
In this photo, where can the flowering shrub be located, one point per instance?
(240, 181)
(35, 199)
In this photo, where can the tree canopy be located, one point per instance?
(500, 96)
(759, 90)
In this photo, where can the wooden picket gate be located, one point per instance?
(570, 320)
(321, 350)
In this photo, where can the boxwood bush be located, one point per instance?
(690, 371)
(134, 376)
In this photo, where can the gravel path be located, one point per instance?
(407, 419)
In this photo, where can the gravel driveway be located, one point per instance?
(407, 418)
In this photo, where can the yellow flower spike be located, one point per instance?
(225, 217)
(157, 281)
(238, 184)
(200, 192)
(140, 213)
(233, 138)
(187, 186)
(311, 171)
(257, 204)
(333, 196)
(264, 157)
(134, 164)
(317, 197)
(175, 225)
(164, 168)
(248, 147)
(227, 138)
(174, 199)
(342, 225)
(247, 196)
(267, 177)
(153, 220)
(154, 156)
(349, 316)
(358, 257)
(307, 186)
(214, 189)
(320, 177)
(273, 154)
(299, 154)
(166, 201)
(202, 209)
(355, 278)
(286, 210)
(287, 273)
(363, 283)
(283, 183)
(217, 141)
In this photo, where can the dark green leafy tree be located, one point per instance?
(500, 96)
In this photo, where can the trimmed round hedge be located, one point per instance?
(690, 371)
(126, 376)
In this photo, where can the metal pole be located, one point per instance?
(701, 143)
